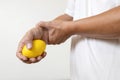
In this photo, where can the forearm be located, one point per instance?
(104, 26)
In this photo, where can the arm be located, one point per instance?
(103, 26)
(36, 33)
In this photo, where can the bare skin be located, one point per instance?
(103, 26)
(36, 33)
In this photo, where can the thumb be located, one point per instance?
(29, 44)
(28, 39)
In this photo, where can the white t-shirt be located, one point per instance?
(93, 59)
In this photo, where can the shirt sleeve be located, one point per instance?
(70, 7)
(118, 2)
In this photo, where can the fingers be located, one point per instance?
(35, 33)
(20, 47)
(44, 54)
(26, 40)
(39, 58)
(30, 60)
(23, 58)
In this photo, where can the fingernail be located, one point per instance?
(39, 58)
(25, 59)
(29, 45)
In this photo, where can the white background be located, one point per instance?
(18, 16)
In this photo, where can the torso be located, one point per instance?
(94, 59)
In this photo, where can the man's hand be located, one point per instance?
(54, 32)
(59, 31)
(34, 33)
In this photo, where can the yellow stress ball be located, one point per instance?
(38, 47)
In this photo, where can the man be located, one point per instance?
(95, 29)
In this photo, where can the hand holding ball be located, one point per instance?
(38, 47)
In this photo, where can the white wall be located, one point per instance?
(16, 17)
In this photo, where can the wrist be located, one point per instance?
(70, 27)
(78, 27)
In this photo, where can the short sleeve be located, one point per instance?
(118, 2)
(70, 7)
